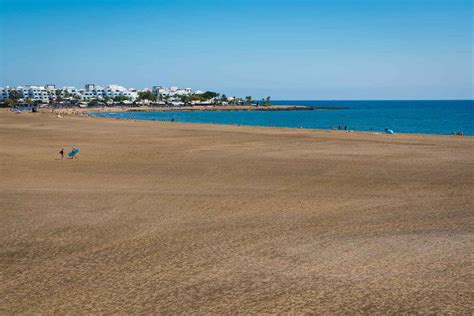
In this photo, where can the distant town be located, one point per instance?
(113, 94)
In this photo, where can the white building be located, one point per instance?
(114, 90)
(70, 91)
(91, 91)
(34, 93)
(4, 93)
(171, 91)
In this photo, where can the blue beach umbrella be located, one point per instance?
(73, 152)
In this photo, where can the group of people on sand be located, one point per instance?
(71, 155)
(340, 128)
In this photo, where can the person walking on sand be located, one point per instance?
(62, 153)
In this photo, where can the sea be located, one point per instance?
(443, 117)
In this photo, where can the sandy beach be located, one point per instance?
(194, 108)
(171, 218)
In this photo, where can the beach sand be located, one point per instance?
(193, 108)
(190, 218)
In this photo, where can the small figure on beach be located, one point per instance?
(345, 127)
(62, 153)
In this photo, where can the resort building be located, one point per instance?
(114, 90)
(33, 93)
(91, 91)
(159, 91)
(4, 93)
(69, 91)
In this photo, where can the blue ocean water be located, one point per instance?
(424, 117)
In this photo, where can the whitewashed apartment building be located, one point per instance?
(48, 92)
(171, 91)
(90, 92)
(93, 91)
(35, 93)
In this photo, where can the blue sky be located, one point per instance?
(300, 49)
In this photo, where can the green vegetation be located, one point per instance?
(209, 95)
(197, 97)
(12, 100)
(8, 103)
(146, 95)
(14, 95)
(93, 103)
(60, 92)
(121, 98)
(266, 101)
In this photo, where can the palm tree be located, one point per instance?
(14, 95)
(9, 103)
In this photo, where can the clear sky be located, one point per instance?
(288, 49)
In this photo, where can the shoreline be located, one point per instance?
(86, 113)
(197, 108)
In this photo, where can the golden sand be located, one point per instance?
(187, 218)
(188, 108)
